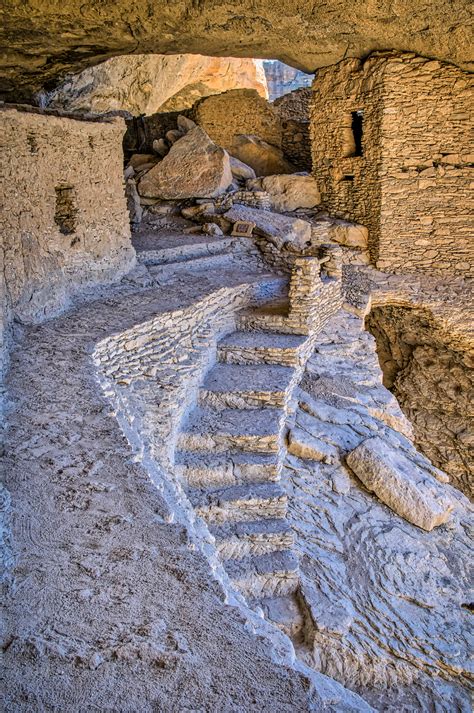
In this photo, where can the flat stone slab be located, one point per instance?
(248, 378)
(409, 490)
(279, 229)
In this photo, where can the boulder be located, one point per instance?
(292, 233)
(288, 192)
(240, 170)
(265, 159)
(406, 487)
(185, 124)
(160, 147)
(304, 445)
(138, 160)
(194, 168)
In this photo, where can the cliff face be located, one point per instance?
(145, 84)
(43, 40)
(282, 79)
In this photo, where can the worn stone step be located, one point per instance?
(286, 613)
(257, 430)
(205, 262)
(240, 502)
(248, 386)
(201, 470)
(268, 575)
(177, 248)
(257, 347)
(272, 317)
(240, 539)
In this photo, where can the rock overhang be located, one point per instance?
(40, 45)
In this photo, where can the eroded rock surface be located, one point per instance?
(145, 84)
(288, 192)
(390, 603)
(194, 167)
(41, 46)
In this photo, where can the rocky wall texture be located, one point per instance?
(433, 380)
(392, 149)
(294, 110)
(282, 79)
(239, 111)
(64, 221)
(43, 41)
(145, 84)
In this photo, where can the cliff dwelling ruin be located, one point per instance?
(237, 357)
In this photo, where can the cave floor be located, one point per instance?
(109, 604)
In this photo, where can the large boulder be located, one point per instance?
(239, 111)
(406, 487)
(264, 158)
(288, 192)
(291, 233)
(194, 168)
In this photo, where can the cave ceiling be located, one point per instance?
(43, 40)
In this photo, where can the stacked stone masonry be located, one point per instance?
(239, 111)
(294, 110)
(411, 183)
(64, 219)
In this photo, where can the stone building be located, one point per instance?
(392, 149)
(64, 218)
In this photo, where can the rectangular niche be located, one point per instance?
(65, 215)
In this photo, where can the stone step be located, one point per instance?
(240, 503)
(246, 387)
(235, 430)
(261, 348)
(206, 262)
(286, 613)
(272, 574)
(271, 317)
(202, 470)
(173, 249)
(240, 539)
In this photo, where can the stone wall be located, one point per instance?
(293, 110)
(432, 379)
(64, 220)
(239, 111)
(410, 184)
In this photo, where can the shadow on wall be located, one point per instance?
(433, 382)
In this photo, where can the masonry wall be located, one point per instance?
(411, 186)
(293, 110)
(239, 111)
(349, 184)
(426, 176)
(64, 220)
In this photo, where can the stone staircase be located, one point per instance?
(231, 447)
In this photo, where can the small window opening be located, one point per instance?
(357, 131)
(66, 212)
(348, 177)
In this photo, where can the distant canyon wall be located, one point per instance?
(146, 84)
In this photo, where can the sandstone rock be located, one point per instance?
(239, 111)
(288, 192)
(194, 167)
(133, 202)
(350, 234)
(292, 233)
(185, 124)
(137, 160)
(212, 229)
(160, 147)
(145, 84)
(307, 446)
(240, 170)
(408, 489)
(265, 159)
(174, 135)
